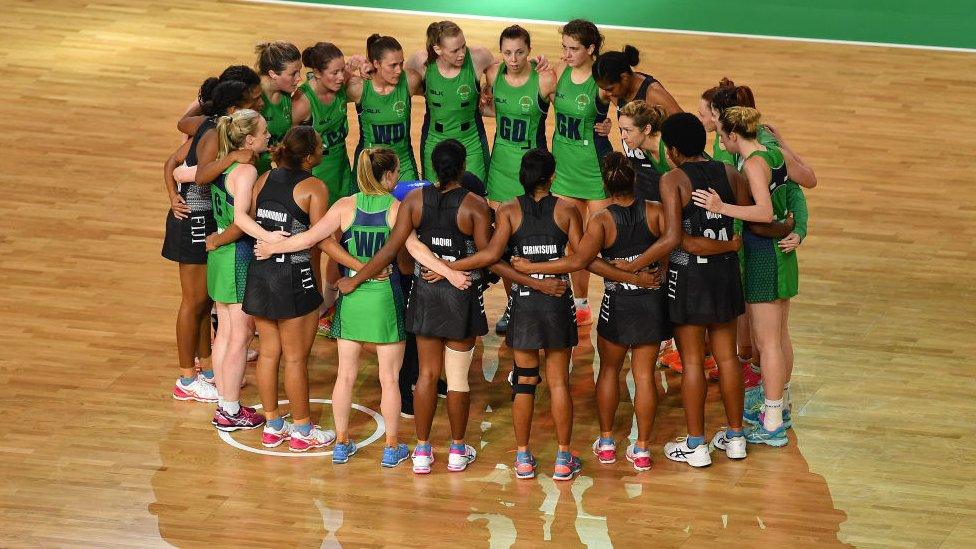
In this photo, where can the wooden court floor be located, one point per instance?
(95, 453)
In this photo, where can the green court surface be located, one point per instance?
(939, 23)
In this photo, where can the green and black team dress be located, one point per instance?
(439, 309)
(385, 120)
(631, 315)
(227, 265)
(374, 312)
(332, 124)
(649, 170)
(577, 147)
(278, 117)
(452, 113)
(539, 320)
(720, 154)
(705, 290)
(282, 286)
(520, 120)
(770, 273)
(186, 239)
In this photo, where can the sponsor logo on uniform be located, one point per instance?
(526, 103)
(464, 91)
(399, 108)
(582, 100)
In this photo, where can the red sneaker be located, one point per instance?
(246, 418)
(671, 359)
(584, 317)
(711, 368)
(751, 377)
(325, 322)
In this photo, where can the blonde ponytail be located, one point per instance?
(373, 164)
(233, 129)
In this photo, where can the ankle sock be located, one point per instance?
(277, 423)
(186, 381)
(207, 374)
(303, 428)
(772, 414)
(232, 407)
(730, 433)
(695, 442)
(581, 302)
(607, 442)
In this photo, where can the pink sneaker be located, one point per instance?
(272, 438)
(316, 438)
(246, 418)
(605, 450)
(751, 378)
(641, 458)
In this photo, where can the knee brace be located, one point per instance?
(456, 366)
(527, 388)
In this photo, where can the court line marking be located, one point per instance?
(624, 27)
(380, 430)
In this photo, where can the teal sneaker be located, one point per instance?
(759, 435)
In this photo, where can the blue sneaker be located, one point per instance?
(524, 465)
(567, 466)
(393, 456)
(759, 435)
(343, 451)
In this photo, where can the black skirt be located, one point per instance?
(705, 293)
(440, 310)
(186, 239)
(280, 290)
(540, 321)
(632, 318)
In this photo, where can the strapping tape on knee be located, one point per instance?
(524, 388)
(456, 367)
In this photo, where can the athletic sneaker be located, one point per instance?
(459, 457)
(734, 447)
(325, 322)
(501, 328)
(671, 359)
(584, 316)
(423, 458)
(211, 379)
(406, 405)
(343, 451)
(753, 408)
(246, 418)
(393, 456)
(524, 465)
(198, 390)
(605, 450)
(567, 466)
(711, 368)
(679, 451)
(441, 388)
(640, 457)
(272, 438)
(316, 438)
(751, 377)
(759, 435)
(788, 417)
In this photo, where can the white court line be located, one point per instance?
(380, 430)
(621, 27)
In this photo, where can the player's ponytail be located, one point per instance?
(377, 45)
(225, 95)
(298, 144)
(437, 31)
(741, 120)
(372, 166)
(730, 96)
(609, 67)
(618, 174)
(233, 129)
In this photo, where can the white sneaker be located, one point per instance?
(458, 461)
(679, 451)
(735, 447)
(423, 457)
(272, 438)
(316, 438)
(198, 390)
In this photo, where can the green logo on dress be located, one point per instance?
(526, 103)
(399, 108)
(464, 91)
(582, 100)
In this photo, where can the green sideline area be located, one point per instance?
(944, 23)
